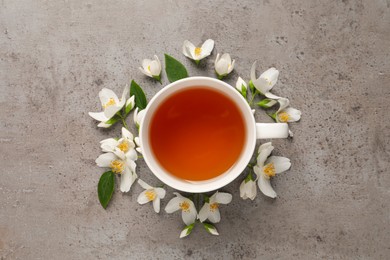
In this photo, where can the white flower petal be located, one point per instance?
(146, 64)
(144, 184)
(243, 190)
(227, 58)
(155, 68)
(223, 197)
(204, 212)
(156, 204)
(108, 145)
(189, 49)
(127, 134)
(110, 111)
(132, 155)
(146, 72)
(281, 164)
(160, 192)
(217, 59)
(265, 186)
(189, 216)
(122, 102)
(100, 116)
(106, 94)
(207, 48)
(271, 75)
(264, 151)
(127, 179)
(294, 114)
(231, 67)
(142, 199)
(120, 154)
(271, 96)
(140, 116)
(158, 61)
(283, 103)
(104, 125)
(104, 160)
(253, 72)
(214, 216)
(261, 85)
(173, 205)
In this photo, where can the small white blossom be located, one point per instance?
(223, 65)
(124, 145)
(151, 68)
(138, 116)
(122, 165)
(248, 189)
(211, 229)
(151, 194)
(137, 142)
(187, 230)
(286, 114)
(187, 207)
(111, 105)
(267, 168)
(210, 209)
(130, 103)
(241, 86)
(198, 53)
(265, 82)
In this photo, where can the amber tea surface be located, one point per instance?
(197, 134)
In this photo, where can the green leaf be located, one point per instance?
(266, 103)
(106, 188)
(174, 69)
(140, 98)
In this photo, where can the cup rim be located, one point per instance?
(224, 178)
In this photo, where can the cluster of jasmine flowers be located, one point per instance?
(120, 154)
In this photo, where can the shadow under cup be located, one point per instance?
(225, 134)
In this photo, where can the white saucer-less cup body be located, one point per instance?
(253, 131)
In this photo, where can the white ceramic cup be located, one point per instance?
(253, 131)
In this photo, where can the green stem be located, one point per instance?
(253, 97)
(123, 121)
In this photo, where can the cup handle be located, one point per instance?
(271, 130)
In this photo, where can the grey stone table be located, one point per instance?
(334, 59)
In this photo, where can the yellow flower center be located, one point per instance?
(124, 146)
(117, 166)
(269, 170)
(150, 194)
(198, 51)
(149, 67)
(283, 117)
(185, 206)
(214, 206)
(110, 102)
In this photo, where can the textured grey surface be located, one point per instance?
(333, 56)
